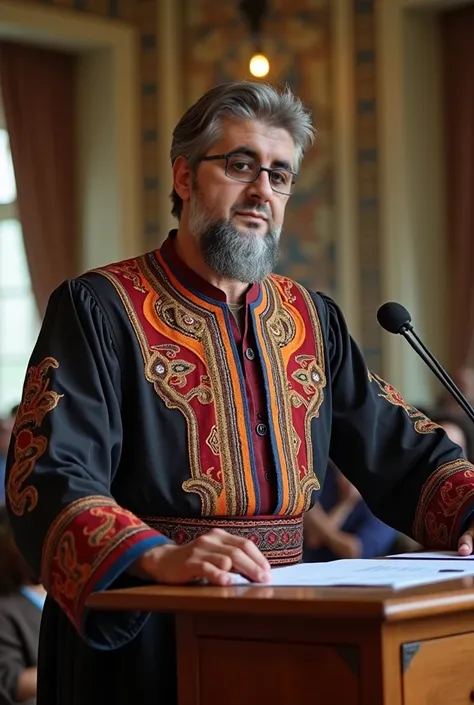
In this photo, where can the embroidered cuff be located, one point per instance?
(88, 546)
(446, 500)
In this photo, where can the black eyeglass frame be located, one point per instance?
(269, 169)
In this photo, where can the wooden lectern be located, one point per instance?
(316, 646)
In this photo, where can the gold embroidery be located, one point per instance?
(421, 423)
(282, 327)
(72, 575)
(197, 336)
(80, 543)
(101, 535)
(129, 271)
(213, 440)
(442, 505)
(175, 327)
(285, 334)
(38, 400)
(174, 372)
(179, 317)
(308, 375)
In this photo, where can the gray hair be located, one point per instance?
(201, 125)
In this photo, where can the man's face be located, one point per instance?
(238, 224)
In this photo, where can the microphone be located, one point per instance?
(394, 318)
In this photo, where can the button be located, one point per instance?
(261, 429)
(249, 354)
(266, 475)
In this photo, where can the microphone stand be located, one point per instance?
(420, 348)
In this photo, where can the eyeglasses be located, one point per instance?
(244, 168)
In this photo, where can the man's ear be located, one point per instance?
(182, 178)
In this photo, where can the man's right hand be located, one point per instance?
(212, 557)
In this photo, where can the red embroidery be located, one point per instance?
(82, 544)
(37, 401)
(442, 505)
(421, 423)
(129, 270)
(190, 358)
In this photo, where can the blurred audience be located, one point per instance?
(464, 379)
(341, 525)
(458, 427)
(21, 604)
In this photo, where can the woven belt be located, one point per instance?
(279, 538)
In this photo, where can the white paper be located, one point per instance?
(367, 573)
(434, 556)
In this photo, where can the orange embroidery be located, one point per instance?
(37, 401)
(421, 423)
(190, 358)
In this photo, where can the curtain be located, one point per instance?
(458, 62)
(38, 93)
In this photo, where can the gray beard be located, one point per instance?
(245, 257)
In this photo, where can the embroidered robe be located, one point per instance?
(137, 426)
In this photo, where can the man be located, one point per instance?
(340, 524)
(179, 410)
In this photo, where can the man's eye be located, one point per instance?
(241, 166)
(280, 177)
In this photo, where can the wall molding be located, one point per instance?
(109, 155)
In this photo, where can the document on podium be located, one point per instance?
(367, 572)
(433, 556)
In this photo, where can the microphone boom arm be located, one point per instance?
(430, 360)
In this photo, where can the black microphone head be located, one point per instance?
(394, 317)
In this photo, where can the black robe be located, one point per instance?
(136, 427)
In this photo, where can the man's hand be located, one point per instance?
(212, 557)
(466, 542)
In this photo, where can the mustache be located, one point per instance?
(251, 208)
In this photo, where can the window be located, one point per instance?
(19, 320)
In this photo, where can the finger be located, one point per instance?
(246, 557)
(242, 563)
(249, 548)
(227, 557)
(465, 544)
(208, 571)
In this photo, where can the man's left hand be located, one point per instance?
(466, 542)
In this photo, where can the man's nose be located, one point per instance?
(260, 188)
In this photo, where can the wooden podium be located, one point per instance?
(317, 646)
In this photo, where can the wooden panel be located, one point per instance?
(236, 672)
(439, 672)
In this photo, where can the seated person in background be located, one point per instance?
(458, 428)
(464, 378)
(341, 525)
(21, 603)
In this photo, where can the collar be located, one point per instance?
(192, 280)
